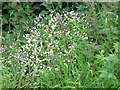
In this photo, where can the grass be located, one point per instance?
(71, 53)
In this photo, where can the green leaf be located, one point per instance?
(44, 12)
(5, 21)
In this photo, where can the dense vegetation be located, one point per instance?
(60, 45)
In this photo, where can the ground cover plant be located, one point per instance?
(60, 47)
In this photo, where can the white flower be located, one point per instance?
(41, 67)
(50, 35)
(49, 68)
(68, 61)
(53, 26)
(58, 17)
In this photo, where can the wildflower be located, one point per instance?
(46, 39)
(58, 17)
(68, 61)
(49, 68)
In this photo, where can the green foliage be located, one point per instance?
(59, 45)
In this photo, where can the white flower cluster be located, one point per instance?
(51, 39)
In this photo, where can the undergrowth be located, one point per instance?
(71, 49)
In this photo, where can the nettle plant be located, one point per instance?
(53, 37)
